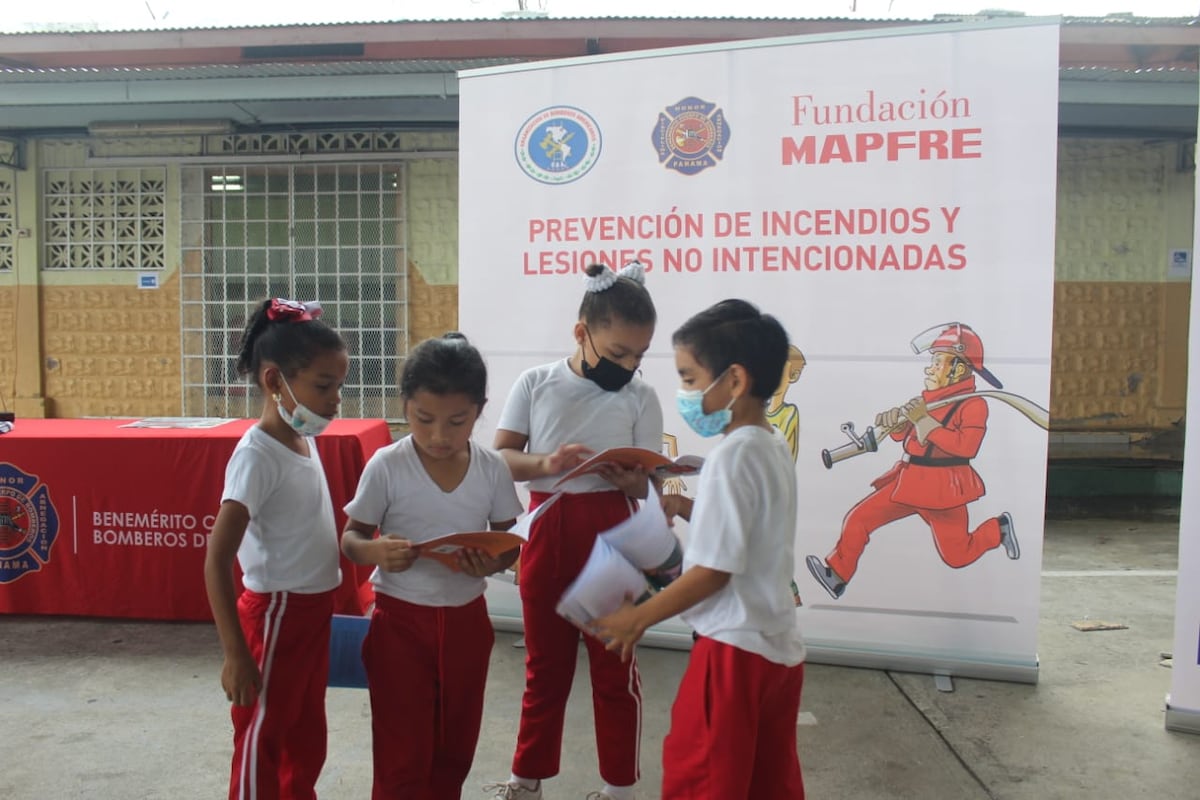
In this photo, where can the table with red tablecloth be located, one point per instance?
(97, 519)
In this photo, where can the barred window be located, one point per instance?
(335, 233)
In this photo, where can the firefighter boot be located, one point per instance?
(826, 577)
(1008, 536)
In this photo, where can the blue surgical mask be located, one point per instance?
(690, 403)
(303, 420)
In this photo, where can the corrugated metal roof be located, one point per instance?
(433, 66)
(1115, 19)
(456, 21)
(277, 70)
(1148, 75)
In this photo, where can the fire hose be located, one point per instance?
(868, 442)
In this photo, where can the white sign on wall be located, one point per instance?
(863, 206)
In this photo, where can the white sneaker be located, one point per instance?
(598, 796)
(513, 791)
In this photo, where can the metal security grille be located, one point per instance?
(104, 218)
(335, 233)
(8, 224)
(345, 143)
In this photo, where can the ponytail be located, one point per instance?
(286, 333)
(616, 296)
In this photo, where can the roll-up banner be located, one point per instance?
(1183, 704)
(890, 196)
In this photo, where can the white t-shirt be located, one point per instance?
(291, 543)
(553, 406)
(744, 523)
(396, 493)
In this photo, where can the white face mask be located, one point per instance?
(302, 420)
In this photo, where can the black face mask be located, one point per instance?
(608, 375)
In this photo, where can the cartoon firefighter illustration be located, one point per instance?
(940, 432)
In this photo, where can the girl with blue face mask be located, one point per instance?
(733, 724)
(276, 518)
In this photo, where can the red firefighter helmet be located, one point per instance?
(959, 340)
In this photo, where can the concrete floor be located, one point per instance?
(102, 709)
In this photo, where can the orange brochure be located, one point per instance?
(445, 548)
(630, 457)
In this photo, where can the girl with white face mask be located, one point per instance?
(276, 518)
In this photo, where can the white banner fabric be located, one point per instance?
(1183, 704)
(864, 188)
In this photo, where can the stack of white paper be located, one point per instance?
(616, 568)
(645, 538)
(603, 585)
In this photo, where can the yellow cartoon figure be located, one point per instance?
(785, 417)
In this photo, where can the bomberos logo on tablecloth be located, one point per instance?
(558, 145)
(28, 523)
(691, 136)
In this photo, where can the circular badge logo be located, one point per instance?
(559, 144)
(16, 522)
(28, 523)
(690, 136)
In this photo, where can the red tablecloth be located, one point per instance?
(101, 520)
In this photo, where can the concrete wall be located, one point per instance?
(91, 343)
(433, 241)
(1120, 325)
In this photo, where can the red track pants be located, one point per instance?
(559, 545)
(733, 728)
(279, 742)
(426, 670)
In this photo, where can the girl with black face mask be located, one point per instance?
(556, 416)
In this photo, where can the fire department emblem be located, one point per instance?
(558, 145)
(28, 523)
(690, 136)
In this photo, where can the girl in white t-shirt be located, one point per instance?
(733, 725)
(556, 416)
(276, 517)
(427, 649)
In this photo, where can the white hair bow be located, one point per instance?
(634, 271)
(598, 283)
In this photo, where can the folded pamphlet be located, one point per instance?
(653, 462)
(178, 422)
(445, 548)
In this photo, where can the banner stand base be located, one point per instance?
(1182, 720)
(839, 657)
(924, 664)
